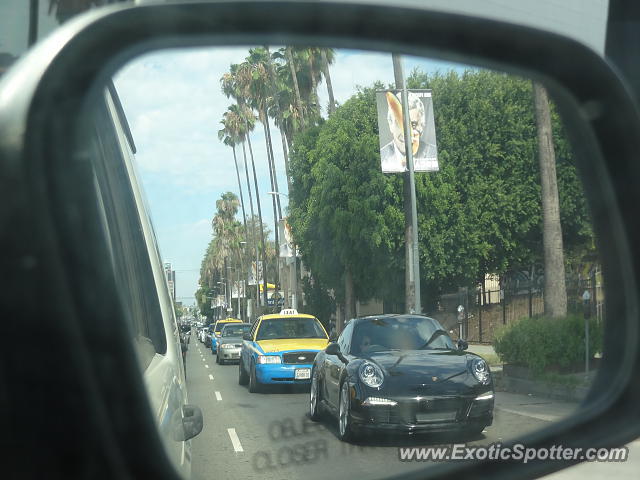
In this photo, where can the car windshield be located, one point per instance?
(296, 327)
(413, 333)
(235, 330)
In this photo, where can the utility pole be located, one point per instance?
(412, 264)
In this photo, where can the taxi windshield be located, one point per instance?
(294, 327)
(235, 330)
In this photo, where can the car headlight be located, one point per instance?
(371, 374)
(269, 359)
(480, 370)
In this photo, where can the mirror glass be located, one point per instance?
(277, 178)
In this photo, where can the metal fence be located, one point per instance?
(477, 313)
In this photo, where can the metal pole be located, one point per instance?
(413, 263)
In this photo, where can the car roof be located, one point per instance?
(390, 316)
(235, 324)
(272, 316)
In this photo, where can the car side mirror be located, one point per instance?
(462, 344)
(187, 424)
(246, 336)
(333, 349)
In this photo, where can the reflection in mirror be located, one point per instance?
(281, 178)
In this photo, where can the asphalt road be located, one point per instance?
(269, 435)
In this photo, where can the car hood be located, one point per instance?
(234, 340)
(422, 367)
(288, 344)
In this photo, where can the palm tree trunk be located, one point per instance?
(262, 243)
(253, 227)
(555, 292)
(244, 214)
(285, 152)
(327, 78)
(296, 88)
(314, 81)
(274, 188)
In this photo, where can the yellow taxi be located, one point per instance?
(280, 349)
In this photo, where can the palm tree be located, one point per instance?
(229, 135)
(328, 57)
(232, 87)
(256, 84)
(294, 78)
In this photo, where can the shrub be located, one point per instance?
(541, 342)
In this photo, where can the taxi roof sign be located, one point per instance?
(289, 311)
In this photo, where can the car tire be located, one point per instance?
(254, 384)
(243, 378)
(345, 429)
(315, 397)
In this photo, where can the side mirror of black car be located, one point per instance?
(246, 336)
(462, 344)
(333, 349)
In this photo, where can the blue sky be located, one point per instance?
(174, 105)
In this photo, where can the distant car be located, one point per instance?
(280, 349)
(230, 342)
(400, 373)
(215, 333)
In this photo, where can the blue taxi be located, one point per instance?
(280, 349)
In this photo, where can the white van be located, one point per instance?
(138, 270)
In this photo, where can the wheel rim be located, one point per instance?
(314, 393)
(344, 408)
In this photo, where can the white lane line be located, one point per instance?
(218, 396)
(210, 377)
(235, 440)
(206, 366)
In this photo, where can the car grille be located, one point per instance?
(437, 410)
(299, 357)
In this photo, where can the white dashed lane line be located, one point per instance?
(206, 366)
(237, 446)
(210, 377)
(218, 396)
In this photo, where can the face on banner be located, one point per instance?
(391, 128)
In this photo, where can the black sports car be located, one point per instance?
(401, 373)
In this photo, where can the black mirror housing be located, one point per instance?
(333, 349)
(462, 344)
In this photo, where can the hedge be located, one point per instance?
(542, 343)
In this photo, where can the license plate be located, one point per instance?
(423, 417)
(303, 373)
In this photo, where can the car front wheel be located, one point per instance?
(315, 411)
(254, 384)
(345, 430)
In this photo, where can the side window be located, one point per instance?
(344, 340)
(129, 257)
(254, 327)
